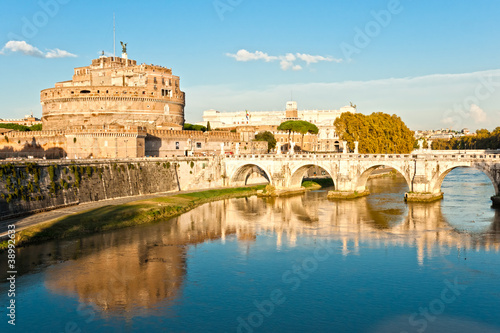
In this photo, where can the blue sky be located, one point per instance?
(434, 63)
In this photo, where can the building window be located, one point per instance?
(198, 144)
(163, 80)
(154, 80)
(177, 145)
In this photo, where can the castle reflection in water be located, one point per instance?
(125, 270)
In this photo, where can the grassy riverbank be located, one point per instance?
(322, 182)
(311, 185)
(126, 215)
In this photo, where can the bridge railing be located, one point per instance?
(428, 156)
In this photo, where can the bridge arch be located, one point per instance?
(367, 171)
(243, 171)
(298, 173)
(438, 180)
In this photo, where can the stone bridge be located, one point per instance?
(423, 172)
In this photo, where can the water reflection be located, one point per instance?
(143, 267)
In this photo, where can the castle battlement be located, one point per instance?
(34, 134)
(210, 135)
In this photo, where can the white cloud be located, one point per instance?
(285, 64)
(423, 102)
(56, 53)
(30, 50)
(23, 47)
(287, 61)
(244, 55)
(310, 59)
(478, 114)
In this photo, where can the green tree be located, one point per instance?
(305, 127)
(22, 128)
(377, 133)
(298, 126)
(267, 136)
(191, 127)
(482, 140)
(208, 127)
(15, 127)
(287, 126)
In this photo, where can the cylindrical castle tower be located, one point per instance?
(115, 91)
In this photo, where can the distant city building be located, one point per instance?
(115, 91)
(445, 134)
(28, 120)
(327, 139)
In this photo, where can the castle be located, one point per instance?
(115, 91)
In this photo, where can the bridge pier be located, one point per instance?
(423, 197)
(347, 187)
(347, 194)
(424, 185)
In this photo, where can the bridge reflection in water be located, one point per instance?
(140, 268)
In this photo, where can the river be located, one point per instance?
(296, 264)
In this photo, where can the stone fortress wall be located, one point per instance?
(37, 185)
(123, 142)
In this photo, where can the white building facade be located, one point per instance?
(327, 139)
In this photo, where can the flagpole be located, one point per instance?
(114, 37)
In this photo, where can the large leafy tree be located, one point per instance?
(267, 136)
(377, 133)
(298, 126)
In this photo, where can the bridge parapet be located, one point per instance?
(449, 156)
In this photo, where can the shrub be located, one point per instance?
(52, 173)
